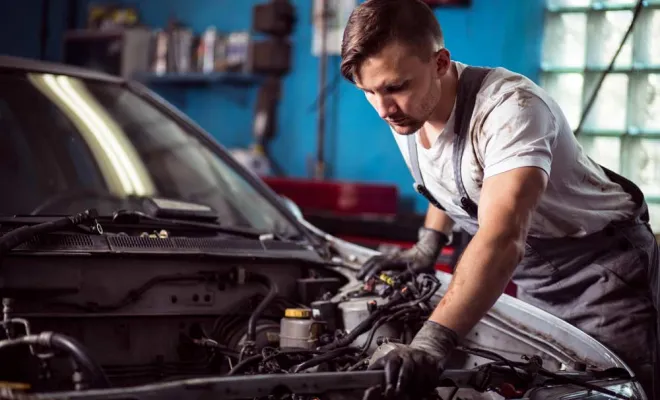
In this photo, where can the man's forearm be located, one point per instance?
(480, 277)
(438, 220)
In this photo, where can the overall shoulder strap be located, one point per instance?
(466, 95)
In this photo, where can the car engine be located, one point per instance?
(122, 308)
(145, 321)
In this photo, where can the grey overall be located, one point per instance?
(606, 283)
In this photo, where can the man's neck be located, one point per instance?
(435, 125)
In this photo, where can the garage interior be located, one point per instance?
(269, 61)
(262, 78)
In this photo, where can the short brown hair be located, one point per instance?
(375, 23)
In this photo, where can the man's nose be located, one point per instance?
(385, 107)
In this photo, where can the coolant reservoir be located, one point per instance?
(299, 330)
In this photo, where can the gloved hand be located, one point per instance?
(416, 368)
(421, 257)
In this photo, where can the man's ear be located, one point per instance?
(442, 61)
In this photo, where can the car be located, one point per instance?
(140, 260)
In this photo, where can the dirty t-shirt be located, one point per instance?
(517, 124)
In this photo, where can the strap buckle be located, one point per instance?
(469, 206)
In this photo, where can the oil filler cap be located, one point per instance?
(299, 313)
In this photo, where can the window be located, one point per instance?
(622, 129)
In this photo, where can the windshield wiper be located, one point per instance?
(140, 219)
(159, 211)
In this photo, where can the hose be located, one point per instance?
(66, 344)
(20, 235)
(75, 350)
(256, 314)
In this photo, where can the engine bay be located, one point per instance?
(140, 322)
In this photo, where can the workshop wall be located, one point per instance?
(359, 146)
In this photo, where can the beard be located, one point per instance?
(407, 127)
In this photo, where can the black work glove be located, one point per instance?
(416, 369)
(420, 258)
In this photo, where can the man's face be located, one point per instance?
(402, 88)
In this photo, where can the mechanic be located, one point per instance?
(494, 154)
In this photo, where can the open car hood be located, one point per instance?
(512, 327)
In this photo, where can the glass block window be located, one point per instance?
(622, 129)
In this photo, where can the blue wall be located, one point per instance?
(359, 146)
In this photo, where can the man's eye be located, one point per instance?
(395, 88)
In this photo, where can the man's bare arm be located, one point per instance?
(438, 220)
(506, 206)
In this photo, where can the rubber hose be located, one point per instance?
(272, 293)
(14, 238)
(76, 350)
(67, 345)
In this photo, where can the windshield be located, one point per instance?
(67, 144)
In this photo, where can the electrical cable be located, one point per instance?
(594, 94)
(381, 322)
(260, 357)
(325, 357)
(357, 331)
(491, 356)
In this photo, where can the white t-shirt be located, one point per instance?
(517, 124)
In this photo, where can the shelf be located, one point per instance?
(197, 78)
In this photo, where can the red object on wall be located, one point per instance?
(338, 197)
